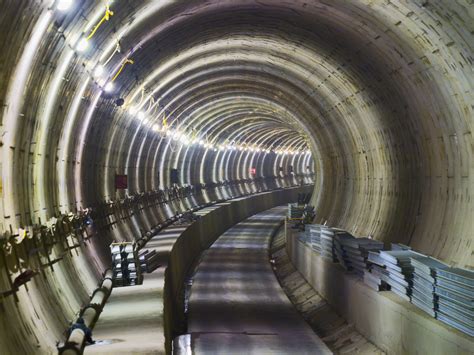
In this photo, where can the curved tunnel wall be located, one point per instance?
(380, 92)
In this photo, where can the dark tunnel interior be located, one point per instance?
(370, 101)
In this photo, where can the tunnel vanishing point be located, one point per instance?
(119, 116)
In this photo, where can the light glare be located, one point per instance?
(64, 5)
(99, 71)
(82, 45)
(109, 87)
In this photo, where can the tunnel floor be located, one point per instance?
(236, 304)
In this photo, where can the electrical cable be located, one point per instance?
(108, 14)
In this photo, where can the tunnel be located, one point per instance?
(121, 117)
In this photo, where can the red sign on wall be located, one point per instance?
(121, 182)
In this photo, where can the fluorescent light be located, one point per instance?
(64, 5)
(82, 45)
(155, 127)
(99, 71)
(109, 87)
(141, 115)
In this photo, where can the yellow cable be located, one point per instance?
(121, 68)
(164, 124)
(107, 16)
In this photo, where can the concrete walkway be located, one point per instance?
(237, 305)
(132, 319)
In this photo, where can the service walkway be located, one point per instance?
(237, 305)
(132, 320)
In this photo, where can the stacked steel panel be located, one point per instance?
(328, 250)
(295, 210)
(356, 252)
(376, 276)
(400, 271)
(424, 281)
(376, 279)
(455, 291)
(314, 231)
(149, 260)
(126, 266)
(341, 240)
(442, 292)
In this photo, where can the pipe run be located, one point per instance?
(76, 340)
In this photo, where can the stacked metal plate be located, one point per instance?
(295, 210)
(341, 241)
(399, 246)
(455, 291)
(400, 271)
(377, 277)
(126, 266)
(304, 237)
(149, 260)
(357, 251)
(327, 244)
(374, 281)
(315, 236)
(375, 258)
(424, 280)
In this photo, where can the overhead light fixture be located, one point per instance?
(99, 71)
(141, 115)
(109, 87)
(64, 5)
(82, 45)
(155, 127)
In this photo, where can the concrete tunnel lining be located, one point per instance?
(380, 92)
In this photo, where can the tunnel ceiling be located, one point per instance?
(375, 96)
